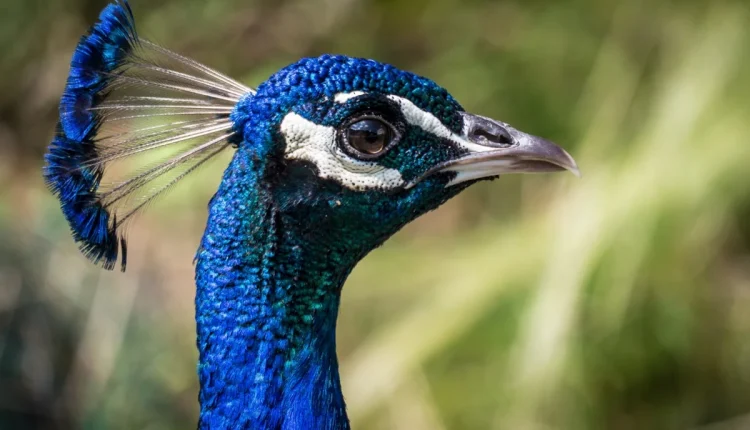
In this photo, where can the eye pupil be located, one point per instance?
(368, 136)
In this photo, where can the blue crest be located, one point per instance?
(69, 172)
(118, 87)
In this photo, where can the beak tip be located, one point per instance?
(575, 170)
(570, 164)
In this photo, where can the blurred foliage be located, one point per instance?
(618, 301)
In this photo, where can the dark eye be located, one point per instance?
(369, 136)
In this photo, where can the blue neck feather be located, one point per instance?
(266, 310)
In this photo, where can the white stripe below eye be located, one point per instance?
(317, 144)
(429, 123)
(345, 97)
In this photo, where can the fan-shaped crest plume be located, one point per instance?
(127, 97)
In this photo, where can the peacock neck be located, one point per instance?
(266, 308)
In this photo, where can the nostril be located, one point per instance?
(487, 132)
(497, 136)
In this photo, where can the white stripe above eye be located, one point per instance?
(345, 97)
(422, 119)
(429, 123)
(317, 144)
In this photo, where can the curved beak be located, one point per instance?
(493, 148)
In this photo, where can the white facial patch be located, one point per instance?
(317, 144)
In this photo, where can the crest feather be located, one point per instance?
(128, 98)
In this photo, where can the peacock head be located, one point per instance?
(353, 148)
(347, 150)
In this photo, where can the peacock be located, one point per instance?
(332, 155)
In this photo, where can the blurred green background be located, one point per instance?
(617, 301)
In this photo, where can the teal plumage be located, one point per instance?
(333, 155)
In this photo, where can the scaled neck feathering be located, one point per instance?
(333, 155)
(266, 309)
